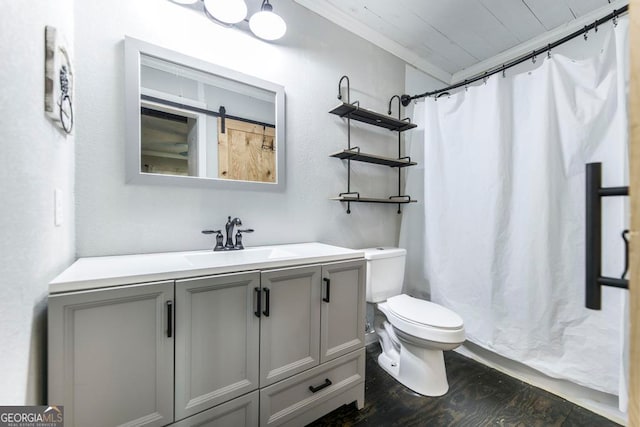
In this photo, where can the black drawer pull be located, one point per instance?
(266, 302)
(169, 319)
(258, 302)
(328, 297)
(327, 383)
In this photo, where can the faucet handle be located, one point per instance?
(219, 239)
(238, 244)
(211, 231)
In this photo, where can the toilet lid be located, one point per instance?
(424, 312)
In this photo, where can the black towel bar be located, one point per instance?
(593, 205)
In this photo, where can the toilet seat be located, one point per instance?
(404, 313)
(424, 312)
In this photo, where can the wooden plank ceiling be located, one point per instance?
(453, 35)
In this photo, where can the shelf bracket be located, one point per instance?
(357, 194)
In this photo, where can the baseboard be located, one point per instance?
(601, 403)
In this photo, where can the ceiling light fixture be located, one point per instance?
(266, 24)
(226, 11)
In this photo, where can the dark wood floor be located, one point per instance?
(478, 396)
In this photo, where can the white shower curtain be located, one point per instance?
(504, 219)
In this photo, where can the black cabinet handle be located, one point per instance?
(327, 383)
(266, 302)
(258, 302)
(327, 298)
(169, 319)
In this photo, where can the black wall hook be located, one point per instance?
(399, 105)
(348, 89)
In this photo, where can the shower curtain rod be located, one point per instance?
(406, 99)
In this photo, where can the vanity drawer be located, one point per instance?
(241, 411)
(288, 399)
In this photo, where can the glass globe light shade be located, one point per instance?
(227, 11)
(267, 25)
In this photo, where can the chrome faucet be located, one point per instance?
(229, 228)
(229, 246)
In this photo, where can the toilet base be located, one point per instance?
(418, 368)
(388, 365)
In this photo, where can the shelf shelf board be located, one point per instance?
(393, 200)
(372, 158)
(371, 117)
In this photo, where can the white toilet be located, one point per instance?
(416, 332)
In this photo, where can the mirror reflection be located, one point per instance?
(194, 123)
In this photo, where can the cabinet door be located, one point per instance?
(111, 355)
(290, 323)
(343, 309)
(217, 343)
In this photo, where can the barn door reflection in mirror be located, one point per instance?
(246, 151)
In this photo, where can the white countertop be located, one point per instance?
(101, 272)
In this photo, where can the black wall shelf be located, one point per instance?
(394, 200)
(356, 155)
(353, 111)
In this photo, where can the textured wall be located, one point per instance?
(36, 158)
(117, 218)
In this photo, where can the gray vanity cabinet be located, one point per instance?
(342, 309)
(256, 348)
(290, 323)
(111, 355)
(217, 339)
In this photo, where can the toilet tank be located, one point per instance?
(385, 272)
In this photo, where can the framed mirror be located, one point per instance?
(191, 122)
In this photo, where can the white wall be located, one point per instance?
(36, 158)
(117, 218)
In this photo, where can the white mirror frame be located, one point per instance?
(133, 49)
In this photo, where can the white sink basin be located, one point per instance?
(245, 256)
(101, 272)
